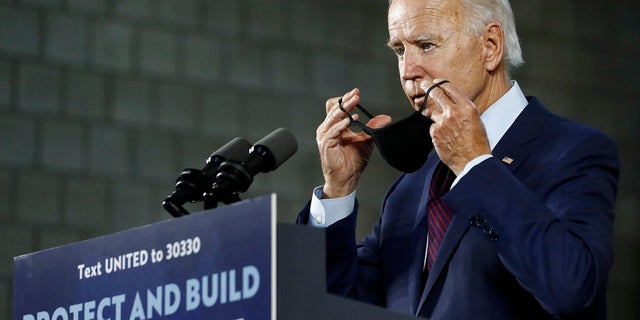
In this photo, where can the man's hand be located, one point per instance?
(457, 133)
(344, 154)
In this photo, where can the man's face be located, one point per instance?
(429, 40)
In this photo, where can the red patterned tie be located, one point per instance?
(439, 214)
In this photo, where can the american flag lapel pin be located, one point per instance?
(507, 160)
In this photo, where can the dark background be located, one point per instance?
(103, 102)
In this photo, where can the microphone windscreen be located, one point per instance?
(282, 145)
(237, 149)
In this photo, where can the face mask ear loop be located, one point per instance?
(345, 111)
(361, 108)
(426, 95)
(354, 122)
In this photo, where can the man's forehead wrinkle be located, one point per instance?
(430, 13)
(432, 8)
(405, 16)
(413, 22)
(415, 29)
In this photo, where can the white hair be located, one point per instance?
(479, 13)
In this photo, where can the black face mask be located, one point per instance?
(404, 144)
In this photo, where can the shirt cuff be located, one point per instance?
(325, 212)
(470, 166)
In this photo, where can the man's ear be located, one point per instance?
(493, 45)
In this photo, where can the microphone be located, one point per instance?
(237, 149)
(265, 155)
(193, 183)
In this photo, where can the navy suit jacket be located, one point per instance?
(530, 239)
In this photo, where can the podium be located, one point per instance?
(235, 262)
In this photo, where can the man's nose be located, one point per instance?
(410, 67)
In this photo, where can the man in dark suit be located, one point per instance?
(510, 217)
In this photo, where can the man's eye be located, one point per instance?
(399, 51)
(427, 46)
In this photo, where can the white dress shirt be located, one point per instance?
(496, 119)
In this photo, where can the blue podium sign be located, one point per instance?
(217, 264)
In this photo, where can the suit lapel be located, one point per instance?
(457, 228)
(415, 273)
(511, 149)
(526, 127)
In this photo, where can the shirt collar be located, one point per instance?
(501, 114)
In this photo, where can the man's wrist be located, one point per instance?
(333, 191)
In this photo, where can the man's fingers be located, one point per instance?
(439, 98)
(330, 104)
(452, 92)
(347, 101)
(435, 101)
(447, 100)
(332, 126)
(335, 114)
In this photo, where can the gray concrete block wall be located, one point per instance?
(90, 7)
(203, 58)
(131, 101)
(86, 203)
(38, 199)
(6, 192)
(66, 39)
(158, 51)
(113, 45)
(104, 102)
(5, 85)
(63, 147)
(19, 31)
(85, 95)
(18, 143)
(38, 89)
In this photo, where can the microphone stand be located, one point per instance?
(189, 179)
(232, 179)
(231, 176)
